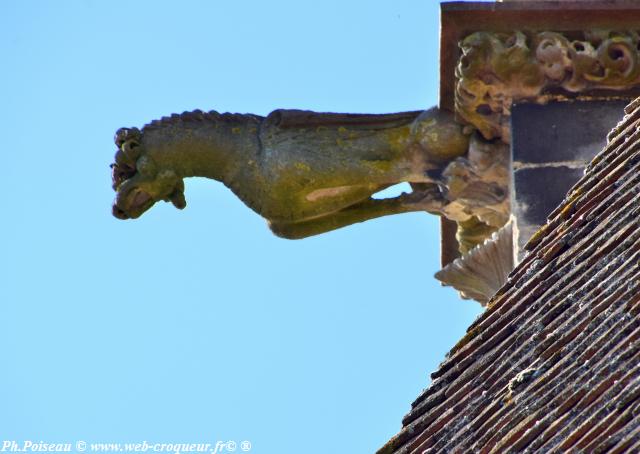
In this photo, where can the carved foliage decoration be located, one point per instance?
(477, 185)
(497, 69)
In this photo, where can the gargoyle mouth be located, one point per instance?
(132, 205)
(128, 142)
(120, 173)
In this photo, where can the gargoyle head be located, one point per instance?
(138, 181)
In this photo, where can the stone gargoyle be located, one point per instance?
(305, 172)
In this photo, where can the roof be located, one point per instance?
(554, 362)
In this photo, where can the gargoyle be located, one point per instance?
(305, 172)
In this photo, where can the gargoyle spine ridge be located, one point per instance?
(198, 116)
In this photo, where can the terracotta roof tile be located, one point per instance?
(554, 362)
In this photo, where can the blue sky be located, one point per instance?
(200, 325)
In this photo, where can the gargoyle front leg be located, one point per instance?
(428, 199)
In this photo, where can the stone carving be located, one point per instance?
(308, 173)
(481, 272)
(477, 186)
(498, 69)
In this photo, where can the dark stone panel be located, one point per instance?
(540, 190)
(562, 131)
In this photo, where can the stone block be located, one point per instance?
(537, 192)
(562, 131)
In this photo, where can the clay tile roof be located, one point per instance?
(554, 362)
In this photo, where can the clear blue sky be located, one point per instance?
(200, 325)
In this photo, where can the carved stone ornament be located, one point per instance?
(477, 185)
(481, 272)
(306, 173)
(498, 69)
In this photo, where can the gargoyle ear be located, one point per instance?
(124, 134)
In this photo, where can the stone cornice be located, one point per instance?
(496, 70)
